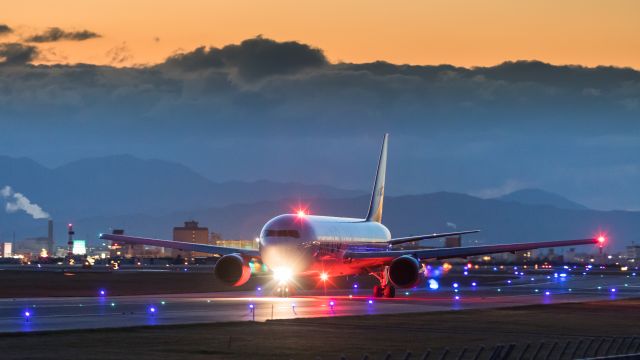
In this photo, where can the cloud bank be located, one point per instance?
(5, 29)
(17, 54)
(252, 59)
(57, 34)
(266, 109)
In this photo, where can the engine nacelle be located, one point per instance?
(404, 272)
(232, 270)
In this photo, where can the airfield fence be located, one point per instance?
(627, 347)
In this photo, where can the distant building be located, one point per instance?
(7, 249)
(240, 244)
(191, 233)
(128, 251)
(453, 241)
(633, 252)
(32, 247)
(79, 247)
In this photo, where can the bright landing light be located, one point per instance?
(282, 274)
(324, 276)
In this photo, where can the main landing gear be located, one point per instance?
(385, 289)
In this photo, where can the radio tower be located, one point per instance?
(70, 242)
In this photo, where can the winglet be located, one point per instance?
(377, 197)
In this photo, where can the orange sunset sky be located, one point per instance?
(465, 33)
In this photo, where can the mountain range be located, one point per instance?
(123, 184)
(542, 198)
(149, 197)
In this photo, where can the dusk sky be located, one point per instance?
(463, 33)
(480, 97)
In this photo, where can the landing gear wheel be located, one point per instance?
(377, 291)
(389, 291)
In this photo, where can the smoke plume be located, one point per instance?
(17, 201)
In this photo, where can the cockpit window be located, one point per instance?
(283, 233)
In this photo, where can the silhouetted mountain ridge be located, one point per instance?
(123, 184)
(541, 197)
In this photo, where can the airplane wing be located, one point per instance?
(407, 239)
(462, 252)
(185, 246)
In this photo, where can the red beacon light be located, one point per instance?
(601, 240)
(301, 213)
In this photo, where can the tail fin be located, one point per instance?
(377, 197)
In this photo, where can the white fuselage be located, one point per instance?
(307, 244)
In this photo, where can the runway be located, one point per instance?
(49, 314)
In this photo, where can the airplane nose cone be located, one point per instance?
(285, 256)
(282, 243)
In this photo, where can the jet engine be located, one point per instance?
(232, 270)
(404, 272)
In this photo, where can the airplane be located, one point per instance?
(301, 244)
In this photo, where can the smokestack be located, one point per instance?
(50, 238)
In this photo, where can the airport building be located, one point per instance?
(193, 233)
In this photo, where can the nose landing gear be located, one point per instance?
(385, 289)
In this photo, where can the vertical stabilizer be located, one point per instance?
(377, 197)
